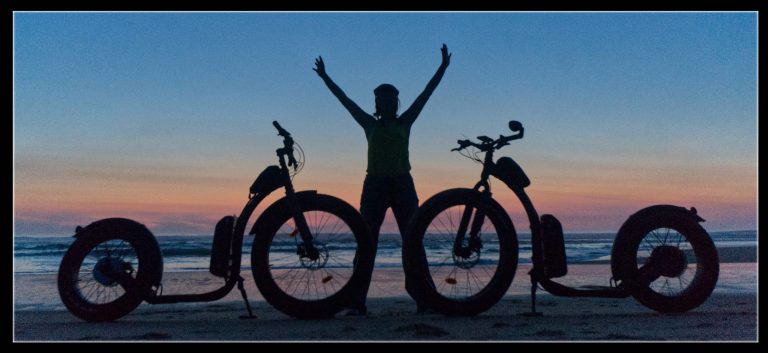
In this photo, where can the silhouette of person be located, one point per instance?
(388, 182)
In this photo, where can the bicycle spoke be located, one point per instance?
(444, 265)
(650, 246)
(656, 236)
(672, 286)
(679, 239)
(296, 282)
(304, 279)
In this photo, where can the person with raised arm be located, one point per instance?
(388, 182)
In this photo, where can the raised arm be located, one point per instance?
(362, 118)
(413, 111)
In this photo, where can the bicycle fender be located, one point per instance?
(110, 224)
(670, 209)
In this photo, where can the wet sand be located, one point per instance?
(724, 317)
(730, 314)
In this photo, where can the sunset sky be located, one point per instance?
(165, 118)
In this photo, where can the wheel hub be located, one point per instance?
(467, 256)
(106, 270)
(670, 261)
(318, 259)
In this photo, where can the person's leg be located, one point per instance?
(405, 202)
(373, 207)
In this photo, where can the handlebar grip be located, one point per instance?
(462, 145)
(280, 130)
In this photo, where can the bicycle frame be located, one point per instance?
(115, 264)
(269, 180)
(537, 272)
(693, 263)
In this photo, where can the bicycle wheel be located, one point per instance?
(459, 282)
(667, 260)
(103, 252)
(295, 283)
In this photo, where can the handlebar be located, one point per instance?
(280, 130)
(287, 149)
(489, 144)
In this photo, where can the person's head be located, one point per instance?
(387, 102)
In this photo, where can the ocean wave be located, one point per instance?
(44, 254)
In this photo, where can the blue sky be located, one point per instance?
(167, 116)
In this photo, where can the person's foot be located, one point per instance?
(356, 312)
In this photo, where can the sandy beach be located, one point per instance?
(729, 315)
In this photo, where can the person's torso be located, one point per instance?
(388, 148)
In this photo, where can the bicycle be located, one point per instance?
(309, 253)
(461, 247)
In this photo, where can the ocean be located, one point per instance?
(42, 254)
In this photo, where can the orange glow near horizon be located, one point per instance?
(596, 202)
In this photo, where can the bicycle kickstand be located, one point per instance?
(534, 287)
(245, 298)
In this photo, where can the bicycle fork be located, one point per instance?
(307, 247)
(473, 244)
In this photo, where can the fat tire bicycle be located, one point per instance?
(309, 254)
(461, 248)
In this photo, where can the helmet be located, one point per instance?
(385, 90)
